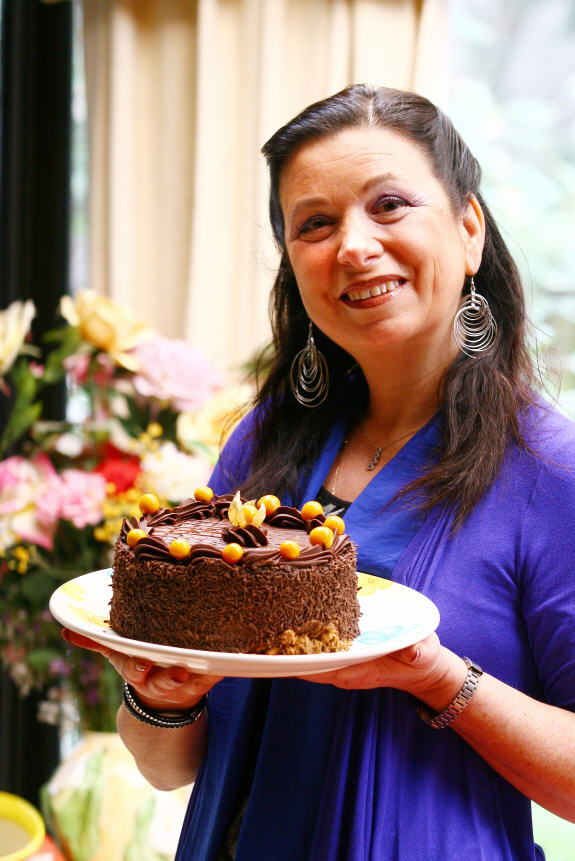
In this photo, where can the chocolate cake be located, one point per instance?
(210, 574)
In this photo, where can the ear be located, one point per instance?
(473, 233)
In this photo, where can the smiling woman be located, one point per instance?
(380, 258)
(374, 188)
(456, 480)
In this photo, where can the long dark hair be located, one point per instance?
(481, 399)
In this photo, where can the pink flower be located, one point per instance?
(81, 365)
(22, 480)
(75, 496)
(171, 370)
(77, 367)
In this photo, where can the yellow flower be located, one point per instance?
(14, 326)
(106, 325)
(22, 554)
(369, 583)
(206, 424)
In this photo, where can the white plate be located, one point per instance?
(393, 616)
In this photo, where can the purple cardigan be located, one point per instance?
(355, 775)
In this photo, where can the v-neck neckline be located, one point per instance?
(389, 474)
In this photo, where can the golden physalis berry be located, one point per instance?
(203, 494)
(311, 509)
(179, 548)
(270, 501)
(289, 549)
(321, 535)
(149, 503)
(133, 536)
(233, 552)
(333, 521)
(250, 511)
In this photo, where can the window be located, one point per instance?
(512, 97)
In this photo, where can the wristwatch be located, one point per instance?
(439, 720)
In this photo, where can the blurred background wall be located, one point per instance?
(174, 98)
(180, 98)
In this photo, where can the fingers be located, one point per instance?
(421, 653)
(169, 687)
(400, 669)
(162, 687)
(84, 642)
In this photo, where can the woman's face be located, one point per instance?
(379, 255)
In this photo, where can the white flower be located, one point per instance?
(69, 445)
(14, 326)
(172, 474)
(49, 712)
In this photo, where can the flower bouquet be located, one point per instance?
(144, 414)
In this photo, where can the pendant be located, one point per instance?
(375, 459)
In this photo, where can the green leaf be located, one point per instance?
(37, 587)
(168, 419)
(69, 343)
(24, 410)
(41, 658)
(21, 420)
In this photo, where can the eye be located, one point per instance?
(313, 226)
(389, 204)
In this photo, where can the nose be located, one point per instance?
(358, 244)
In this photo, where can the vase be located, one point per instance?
(99, 807)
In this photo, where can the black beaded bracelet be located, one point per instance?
(155, 718)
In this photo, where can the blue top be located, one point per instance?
(337, 775)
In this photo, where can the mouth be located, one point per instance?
(372, 289)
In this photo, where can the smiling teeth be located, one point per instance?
(377, 290)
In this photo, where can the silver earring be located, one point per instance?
(474, 327)
(309, 375)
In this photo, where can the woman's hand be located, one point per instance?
(167, 758)
(426, 670)
(160, 688)
(531, 744)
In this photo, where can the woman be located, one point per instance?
(455, 479)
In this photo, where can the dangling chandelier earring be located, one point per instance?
(309, 375)
(474, 327)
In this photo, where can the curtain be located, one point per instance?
(181, 96)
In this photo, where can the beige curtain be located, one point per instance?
(181, 96)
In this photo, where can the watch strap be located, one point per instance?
(440, 720)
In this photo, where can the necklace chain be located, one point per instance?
(339, 457)
(379, 449)
(375, 458)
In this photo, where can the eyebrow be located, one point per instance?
(318, 200)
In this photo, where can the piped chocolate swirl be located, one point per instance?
(191, 577)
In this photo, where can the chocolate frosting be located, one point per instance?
(286, 516)
(199, 523)
(246, 536)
